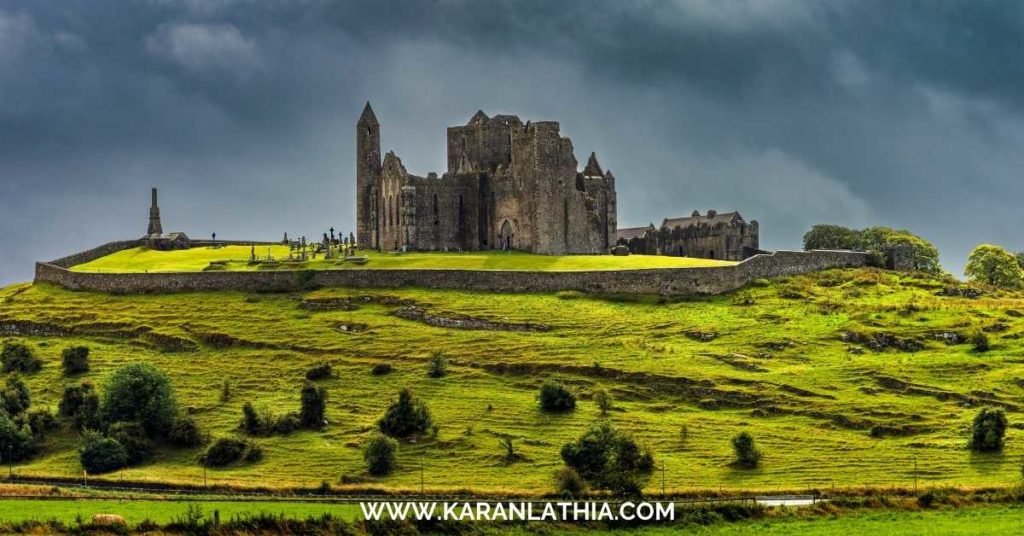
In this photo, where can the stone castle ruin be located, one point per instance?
(714, 235)
(509, 185)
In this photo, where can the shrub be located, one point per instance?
(225, 451)
(102, 454)
(319, 372)
(603, 400)
(41, 421)
(747, 453)
(608, 459)
(16, 357)
(556, 398)
(251, 422)
(16, 441)
(508, 450)
(926, 499)
(405, 417)
(979, 340)
(81, 405)
(314, 403)
(988, 430)
(437, 366)
(131, 436)
(75, 359)
(254, 454)
(16, 398)
(379, 455)
(141, 393)
(381, 369)
(225, 391)
(185, 432)
(569, 483)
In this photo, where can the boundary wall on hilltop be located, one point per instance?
(661, 281)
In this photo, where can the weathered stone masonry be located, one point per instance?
(667, 282)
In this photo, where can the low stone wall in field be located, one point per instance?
(661, 281)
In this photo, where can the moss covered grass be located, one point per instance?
(768, 360)
(236, 258)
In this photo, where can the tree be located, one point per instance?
(437, 367)
(81, 405)
(75, 359)
(226, 451)
(16, 441)
(993, 265)
(747, 453)
(988, 430)
(15, 396)
(877, 240)
(185, 432)
(824, 236)
(131, 436)
(379, 455)
(569, 483)
(405, 417)
(554, 397)
(314, 403)
(141, 393)
(16, 357)
(608, 459)
(102, 454)
(604, 401)
(508, 447)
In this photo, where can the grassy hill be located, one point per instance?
(844, 377)
(237, 258)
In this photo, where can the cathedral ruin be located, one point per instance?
(509, 185)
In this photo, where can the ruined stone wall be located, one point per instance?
(677, 281)
(98, 252)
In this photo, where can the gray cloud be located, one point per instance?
(242, 112)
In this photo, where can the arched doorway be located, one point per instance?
(505, 238)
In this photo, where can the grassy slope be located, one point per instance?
(782, 355)
(196, 259)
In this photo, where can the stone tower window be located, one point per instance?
(437, 215)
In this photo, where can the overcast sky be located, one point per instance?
(906, 114)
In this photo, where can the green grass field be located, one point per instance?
(237, 257)
(160, 511)
(776, 368)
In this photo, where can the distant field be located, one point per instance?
(134, 512)
(826, 412)
(237, 257)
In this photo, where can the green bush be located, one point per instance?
(381, 369)
(251, 422)
(437, 367)
(569, 483)
(16, 441)
(747, 453)
(81, 405)
(993, 265)
(15, 396)
(16, 357)
(228, 450)
(185, 432)
(876, 240)
(314, 403)
(405, 417)
(75, 359)
(102, 454)
(555, 397)
(132, 436)
(41, 421)
(379, 455)
(988, 430)
(141, 393)
(603, 400)
(610, 460)
(319, 372)
(979, 340)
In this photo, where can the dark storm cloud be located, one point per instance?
(897, 113)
